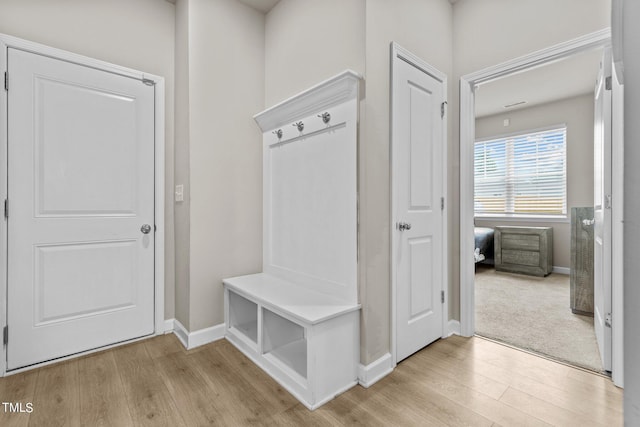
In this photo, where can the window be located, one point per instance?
(521, 175)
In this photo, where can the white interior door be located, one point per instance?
(602, 211)
(80, 189)
(418, 146)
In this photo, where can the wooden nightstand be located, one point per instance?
(526, 250)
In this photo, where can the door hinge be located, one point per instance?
(6, 208)
(441, 203)
(607, 83)
(5, 335)
(442, 109)
(607, 201)
(607, 320)
(6, 81)
(442, 297)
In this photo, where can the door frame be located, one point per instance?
(7, 42)
(398, 53)
(468, 82)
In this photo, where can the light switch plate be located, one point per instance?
(179, 193)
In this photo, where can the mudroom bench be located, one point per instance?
(307, 341)
(299, 319)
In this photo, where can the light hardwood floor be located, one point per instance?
(454, 382)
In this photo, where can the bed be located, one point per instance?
(483, 252)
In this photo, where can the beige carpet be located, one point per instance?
(533, 313)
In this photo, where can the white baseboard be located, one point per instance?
(454, 327)
(205, 336)
(373, 372)
(169, 325)
(561, 270)
(182, 333)
(196, 338)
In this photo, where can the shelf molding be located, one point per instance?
(333, 91)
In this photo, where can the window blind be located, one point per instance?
(522, 174)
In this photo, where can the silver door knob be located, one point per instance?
(146, 228)
(404, 226)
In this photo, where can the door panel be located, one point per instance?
(419, 151)
(417, 177)
(420, 296)
(602, 213)
(81, 184)
(75, 164)
(65, 291)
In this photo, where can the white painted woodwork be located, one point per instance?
(602, 212)
(299, 319)
(307, 341)
(418, 185)
(81, 184)
(617, 229)
(310, 200)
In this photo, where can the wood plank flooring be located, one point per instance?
(453, 382)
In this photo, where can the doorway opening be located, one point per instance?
(505, 131)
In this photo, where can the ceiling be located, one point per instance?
(563, 79)
(263, 6)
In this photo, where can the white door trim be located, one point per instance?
(6, 42)
(398, 53)
(468, 83)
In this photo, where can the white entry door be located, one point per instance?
(602, 211)
(417, 175)
(80, 208)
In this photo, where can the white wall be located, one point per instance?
(577, 114)
(136, 34)
(631, 46)
(489, 32)
(226, 88)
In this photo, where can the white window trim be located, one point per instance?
(522, 132)
(523, 218)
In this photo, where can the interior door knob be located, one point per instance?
(146, 228)
(404, 226)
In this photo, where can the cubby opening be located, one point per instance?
(243, 316)
(285, 341)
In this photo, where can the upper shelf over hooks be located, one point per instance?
(320, 97)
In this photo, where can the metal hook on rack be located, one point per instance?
(278, 133)
(299, 125)
(326, 117)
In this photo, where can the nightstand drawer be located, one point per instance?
(510, 256)
(527, 242)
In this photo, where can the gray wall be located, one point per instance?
(577, 114)
(220, 69)
(631, 45)
(181, 162)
